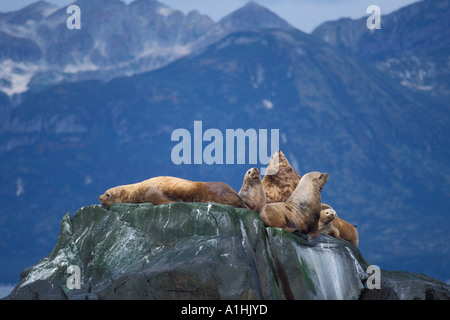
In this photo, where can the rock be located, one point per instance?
(39, 290)
(402, 285)
(196, 251)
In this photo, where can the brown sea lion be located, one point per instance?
(301, 211)
(340, 228)
(280, 179)
(326, 226)
(252, 191)
(160, 190)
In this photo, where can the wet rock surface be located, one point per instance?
(202, 251)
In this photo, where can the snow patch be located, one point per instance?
(267, 104)
(17, 74)
(244, 40)
(20, 189)
(49, 11)
(258, 79)
(412, 72)
(164, 11)
(82, 67)
(175, 51)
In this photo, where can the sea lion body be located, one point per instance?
(301, 211)
(326, 222)
(289, 216)
(252, 191)
(280, 179)
(340, 228)
(164, 189)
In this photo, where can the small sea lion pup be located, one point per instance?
(337, 227)
(301, 211)
(252, 191)
(161, 190)
(280, 179)
(327, 215)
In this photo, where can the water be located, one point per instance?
(330, 272)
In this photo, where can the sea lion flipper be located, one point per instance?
(313, 239)
(291, 230)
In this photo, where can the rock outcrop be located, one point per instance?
(199, 251)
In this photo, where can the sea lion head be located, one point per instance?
(327, 215)
(253, 176)
(109, 197)
(318, 178)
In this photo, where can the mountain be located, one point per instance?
(37, 50)
(113, 39)
(252, 17)
(29, 15)
(412, 45)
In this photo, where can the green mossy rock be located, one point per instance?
(190, 251)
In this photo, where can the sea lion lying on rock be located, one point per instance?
(301, 211)
(337, 227)
(164, 189)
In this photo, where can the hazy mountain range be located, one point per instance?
(84, 110)
(414, 50)
(116, 39)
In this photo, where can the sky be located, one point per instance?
(302, 14)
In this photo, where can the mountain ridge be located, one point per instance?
(116, 39)
(412, 45)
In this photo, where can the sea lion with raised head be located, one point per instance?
(339, 228)
(327, 215)
(164, 189)
(280, 179)
(301, 211)
(252, 191)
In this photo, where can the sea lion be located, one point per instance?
(301, 211)
(252, 191)
(340, 228)
(326, 226)
(280, 179)
(164, 189)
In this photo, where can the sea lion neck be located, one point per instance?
(305, 193)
